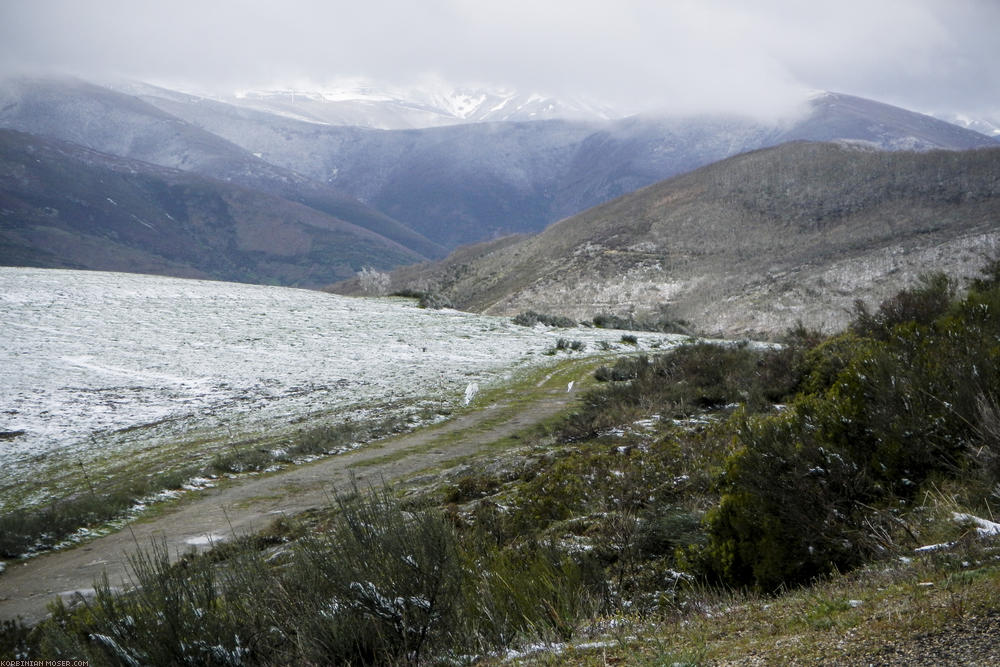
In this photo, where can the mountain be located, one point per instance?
(750, 244)
(66, 206)
(990, 126)
(437, 188)
(469, 182)
(432, 103)
(118, 124)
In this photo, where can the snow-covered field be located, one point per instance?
(107, 364)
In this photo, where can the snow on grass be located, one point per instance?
(107, 364)
(984, 527)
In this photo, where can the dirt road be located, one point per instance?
(251, 504)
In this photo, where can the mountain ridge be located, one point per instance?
(464, 183)
(749, 244)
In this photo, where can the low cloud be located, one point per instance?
(712, 55)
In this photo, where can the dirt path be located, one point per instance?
(26, 588)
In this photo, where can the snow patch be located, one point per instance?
(206, 540)
(984, 528)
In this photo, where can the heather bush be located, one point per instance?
(920, 305)
(691, 378)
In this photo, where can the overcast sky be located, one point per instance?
(757, 56)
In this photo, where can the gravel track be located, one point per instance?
(248, 505)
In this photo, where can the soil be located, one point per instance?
(249, 505)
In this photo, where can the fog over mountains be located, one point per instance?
(432, 103)
(447, 180)
(66, 206)
(468, 182)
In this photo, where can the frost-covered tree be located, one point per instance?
(374, 282)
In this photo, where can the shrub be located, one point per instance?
(661, 322)
(434, 301)
(610, 321)
(176, 614)
(624, 369)
(789, 509)
(14, 640)
(694, 377)
(394, 578)
(374, 282)
(570, 345)
(920, 305)
(530, 318)
(899, 400)
(425, 298)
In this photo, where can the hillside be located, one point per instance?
(827, 501)
(66, 206)
(123, 125)
(753, 243)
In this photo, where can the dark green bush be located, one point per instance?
(14, 640)
(691, 378)
(425, 298)
(661, 322)
(396, 578)
(571, 345)
(789, 510)
(625, 368)
(175, 615)
(920, 305)
(382, 585)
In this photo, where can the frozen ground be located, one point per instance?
(104, 365)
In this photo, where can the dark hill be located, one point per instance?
(63, 205)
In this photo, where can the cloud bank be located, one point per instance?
(683, 55)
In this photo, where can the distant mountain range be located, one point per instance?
(419, 192)
(983, 125)
(750, 244)
(469, 182)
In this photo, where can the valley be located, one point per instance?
(785, 450)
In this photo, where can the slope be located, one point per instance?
(752, 243)
(118, 124)
(62, 205)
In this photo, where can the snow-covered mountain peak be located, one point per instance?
(988, 125)
(429, 102)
